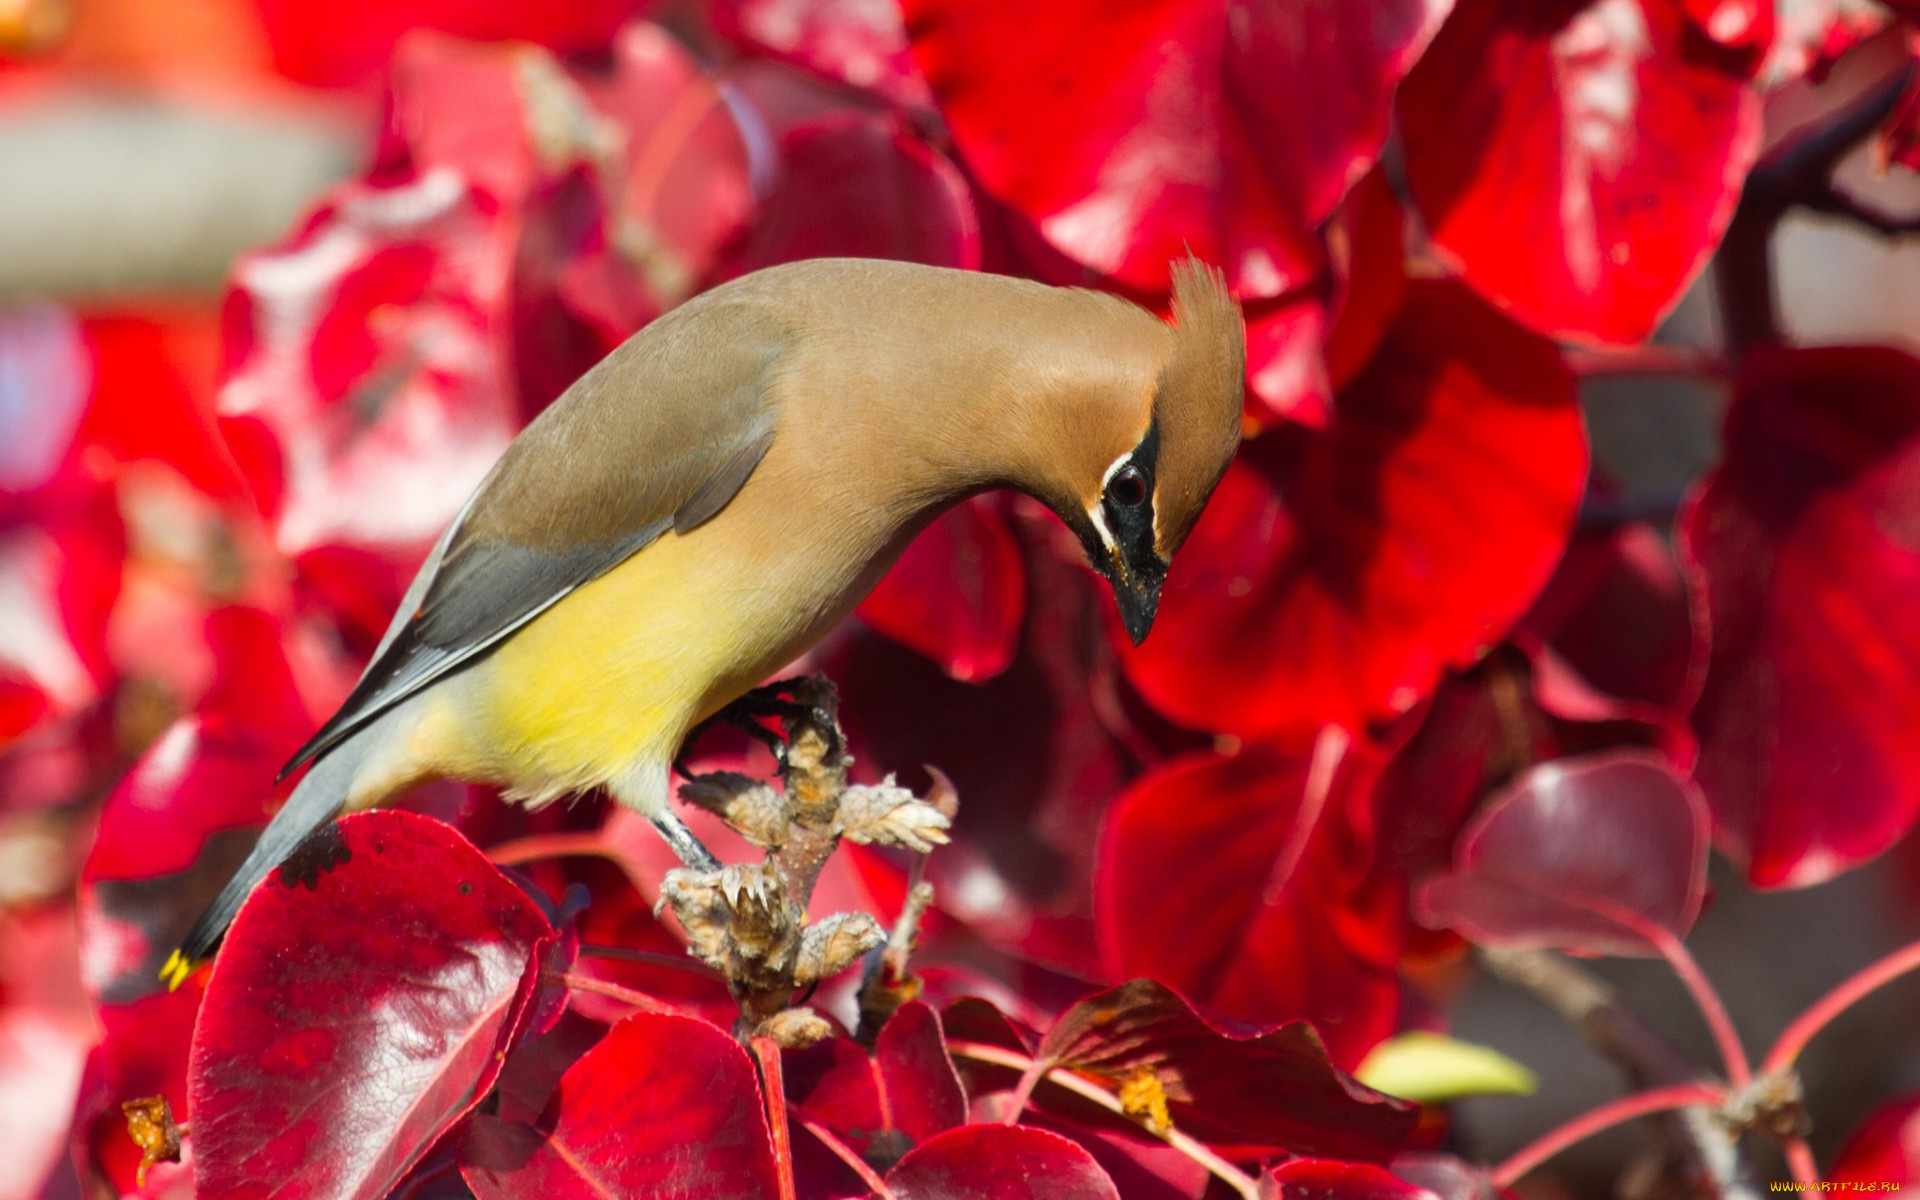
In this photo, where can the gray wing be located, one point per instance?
(657, 437)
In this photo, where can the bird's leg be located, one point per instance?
(688, 847)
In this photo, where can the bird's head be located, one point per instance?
(1146, 500)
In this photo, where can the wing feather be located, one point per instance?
(658, 437)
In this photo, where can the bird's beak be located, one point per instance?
(1137, 592)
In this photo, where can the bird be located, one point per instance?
(708, 500)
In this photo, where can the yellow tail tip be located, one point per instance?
(175, 973)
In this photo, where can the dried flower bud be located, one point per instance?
(754, 810)
(832, 945)
(150, 1125)
(890, 815)
(795, 1028)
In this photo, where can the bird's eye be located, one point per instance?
(1128, 487)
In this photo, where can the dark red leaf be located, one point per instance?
(858, 185)
(349, 1023)
(882, 1104)
(1578, 161)
(1272, 1088)
(1589, 854)
(1127, 137)
(957, 595)
(1806, 537)
(857, 42)
(1884, 1150)
(1322, 1179)
(999, 1162)
(1334, 575)
(664, 1105)
(1231, 878)
(1619, 611)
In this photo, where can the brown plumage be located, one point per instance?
(708, 500)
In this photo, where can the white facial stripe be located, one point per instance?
(1100, 524)
(1122, 461)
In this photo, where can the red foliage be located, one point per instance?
(1805, 537)
(1606, 137)
(1395, 674)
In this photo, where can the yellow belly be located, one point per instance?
(611, 678)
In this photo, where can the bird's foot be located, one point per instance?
(688, 848)
(804, 700)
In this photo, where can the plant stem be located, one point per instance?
(849, 1156)
(651, 958)
(1584, 1126)
(773, 1085)
(1701, 1143)
(1822, 1012)
(613, 991)
(1800, 1160)
(1221, 1169)
(1732, 1053)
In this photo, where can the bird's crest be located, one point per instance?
(1198, 404)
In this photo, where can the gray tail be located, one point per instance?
(315, 802)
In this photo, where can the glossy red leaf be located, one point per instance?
(884, 1103)
(860, 185)
(1884, 1150)
(1244, 1087)
(861, 43)
(348, 43)
(1128, 137)
(1231, 879)
(1334, 575)
(958, 593)
(999, 1162)
(1736, 24)
(1578, 161)
(1593, 854)
(1806, 538)
(1286, 367)
(349, 1023)
(1323, 1179)
(664, 1105)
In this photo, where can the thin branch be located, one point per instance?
(848, 1155)
(1707, 999)
(651, 958)
(1796, 173)
(1596, 1011)
(1221, 1169)
(1584, 1126)
(1645, 361)
(1794, 1039)
(1835, 203)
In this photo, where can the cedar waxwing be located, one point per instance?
(713, 496)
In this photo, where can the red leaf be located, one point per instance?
(347, 43)
(1230, 879)
(1619, 611)
(1127, 137)
(858, 42)
(664, 1105)
(351, 1022)
(1884, 1150)
(142, 1052)
(1580, 854)
(882, 1104)
(171, 832)
(1579, 163)
(857, 185)
(1735, 24)
(999, 1162)
(1806, 537)
(958, 593)
(1273, 1088)
(1333, 576)
(1321, 1179)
